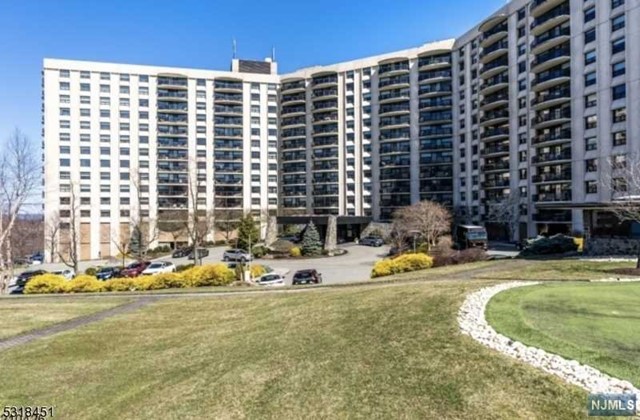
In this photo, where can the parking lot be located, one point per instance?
(355, 265)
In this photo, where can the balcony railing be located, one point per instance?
(552, 157)
(557, 196)
(552, 177)
(564, 134)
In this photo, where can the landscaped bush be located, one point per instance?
(295, 252)
(120, 285)
(91, 271)
(403, 264)
(557, 244)
(209, 275)
(165, 281)
(259, 251)
(45, 283)
(281, 247)
(257, 271)
(453, 257)
(84, 284)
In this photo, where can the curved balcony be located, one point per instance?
(551, 98)
(434, 103)
(496, 183)
(494, 51)
(434, 89)
(553, 137)
(323, 130)
(500, 98)
(495, 117)
(293, 122)
(292, 133)
(494, 83)
(394, 109)
(493, 68)
(394, 82)
(172, 95)
(495, 133)
(552, 196)
(324, 80)
(550, 39)
(394, 96)
(495, 150)
(172, 81)
(293, 85)
(393, 66)
(499, 166)
(548, 20)
(434, 76)
(227, 98)
(546, 158)
(173, 107)
(435, 117)
(292, 111)
(551, 58)
(563, 176)
(539, 7)
(493, 29)
(227, 85)
(293, 98)
(324, 93)
(331, 105)
(547, 79)
(551, 118)
(326, 118)
(430, 61)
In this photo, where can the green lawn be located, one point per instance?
(559, 270)
(385, 351)
(21, 315)
(597, 324)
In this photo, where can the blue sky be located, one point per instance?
(189, 33)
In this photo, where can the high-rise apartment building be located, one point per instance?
(527, 109)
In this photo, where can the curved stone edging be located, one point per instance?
(472, 321)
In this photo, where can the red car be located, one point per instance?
(134, 269)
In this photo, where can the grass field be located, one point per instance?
(385, 351)
(597, 324)
(556, 270)
(21, 315)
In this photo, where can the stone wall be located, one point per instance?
(612, 246)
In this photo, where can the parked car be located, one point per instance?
(160, 267)
(23, 278)
(135, 269)
(108, 273)
(67, 273)
(371, 241)
(201, 253)
(307, 277)
(271, 280)
(182, 252)
(38, 256)
(236, 255)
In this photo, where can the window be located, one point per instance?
(105, 163)
(590, 100)
(619, 115)
(64, 73)
(85, 125)
(590, 36)
(591, 143)
(144, 79)
(617, 45)
(617, 23)
(65, 112)
(143, 90)
(619, 92)
(105, 101)
(85, 112)
(65, 150)
(590, 57)
(618, 69)
(85, 100)
(591, 121)
(85, 87)
(104, 89)
(105, 113)
(591, 187)
(85, 163)
(616, 3)
(124, 77)
(65, 162)
(589, 14)
(590, 79)
(591, 165)
(620, 138)
(65, 99)
(105, 76)
(64, 85)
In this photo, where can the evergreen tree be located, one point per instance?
(311, 244)
(248, 233)
(136, 242)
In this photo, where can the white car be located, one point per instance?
(67, 273)
(160, 267)
(271, 279)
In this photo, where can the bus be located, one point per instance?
(470, 236)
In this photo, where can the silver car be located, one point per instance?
(236, 255)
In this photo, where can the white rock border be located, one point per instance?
(472, 321)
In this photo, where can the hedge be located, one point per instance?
(206, 275)
(403, 264)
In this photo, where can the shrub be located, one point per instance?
(257, 271)
(45, 283)
(91, 271)
(209, 275)
(84, 284)
(452, 257)
(259, 251)
(557, 244)
(166, 281)
(295, 252)
(119, 285)
(281, 247)
(403, 264)
(183, 267)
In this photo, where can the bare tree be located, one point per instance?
(505, 212)
(19, 177)
(52, 235)
(200, 221)
(122, 242)
(143, 230)
(426, 219)
(69, 250)
(173, 222)
(621, 179)
(398, 236)
(226, 221)
(27, 235)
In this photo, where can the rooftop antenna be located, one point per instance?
(235, 48)
(273, 54)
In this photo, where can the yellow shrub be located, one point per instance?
(402, 264)
(45, 283)
(119, 285)
(209, 275)
(295, 251)
(257, 271)
(168, 281)
(84, 284)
